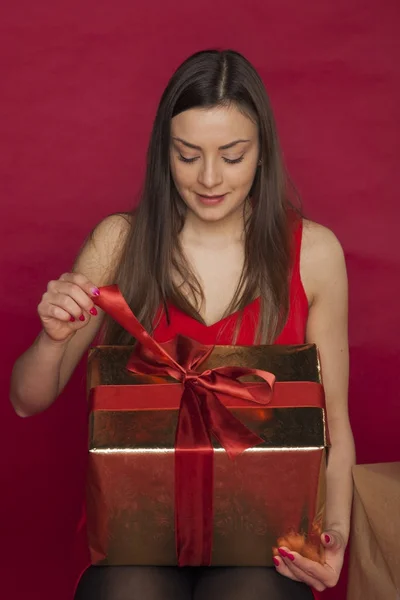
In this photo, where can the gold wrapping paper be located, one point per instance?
(273, 490)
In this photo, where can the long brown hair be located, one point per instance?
(152, 252)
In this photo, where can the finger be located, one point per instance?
(332, 539)
(79, 319)
(59, 306)
(61, 291)
(58, 313)
(81, 281)
(73, 308)
(300, 575)
(284, 569)
(313, 573)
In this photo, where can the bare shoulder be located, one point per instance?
(100, 255)
(320, 243)
(111, 231)
(322, 259)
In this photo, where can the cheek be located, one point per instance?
(182, 175)
(245, 177)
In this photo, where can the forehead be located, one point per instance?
(213, 126)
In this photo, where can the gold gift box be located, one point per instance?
(269, 492)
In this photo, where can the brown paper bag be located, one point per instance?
(375, 536)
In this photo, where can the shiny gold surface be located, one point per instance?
(265, 494)
(278, 427)
(259, 497)
(288, 363)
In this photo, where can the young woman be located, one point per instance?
(217, 252)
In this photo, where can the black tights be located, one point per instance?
(173, 583)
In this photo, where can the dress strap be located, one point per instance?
(296, 247)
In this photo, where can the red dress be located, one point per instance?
(221, 332)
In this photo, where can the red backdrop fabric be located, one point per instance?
(80, 85)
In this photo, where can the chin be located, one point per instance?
(215, 213)
(212, 215)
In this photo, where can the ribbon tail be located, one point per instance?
(232, 434)
(114, 304)
(194, 485)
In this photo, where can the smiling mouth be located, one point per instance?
(211, 200)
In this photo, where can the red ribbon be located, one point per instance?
(201, 414)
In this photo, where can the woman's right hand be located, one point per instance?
(67, 306)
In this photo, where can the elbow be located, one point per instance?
(22, 413)
(16, 396)
(21, 409)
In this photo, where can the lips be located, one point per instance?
(211, 200)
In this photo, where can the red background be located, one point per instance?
(80, 85)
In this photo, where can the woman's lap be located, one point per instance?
(203, 583)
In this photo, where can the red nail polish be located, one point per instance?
(290, 556)
(82, 318)
(93, 311)
(276, 562)
(72, 319)
(95, 292)
(282, 552)
(327, 538)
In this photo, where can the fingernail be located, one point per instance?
(282, 552)
(72, 319)
(82, 318)
(95, 291)
(276, 562)
(93, 311)
(290, 556)
(327, 538)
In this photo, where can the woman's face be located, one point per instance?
(214, 156)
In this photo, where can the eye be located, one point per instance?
(234, 161)
(230, 161)
(187, 160)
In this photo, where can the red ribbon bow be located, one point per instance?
(201, 414)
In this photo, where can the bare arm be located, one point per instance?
(324, 276)
(42, 372)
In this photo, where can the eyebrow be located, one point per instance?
(225, 147)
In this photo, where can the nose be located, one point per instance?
(210, 174)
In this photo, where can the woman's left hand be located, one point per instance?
(318, 576)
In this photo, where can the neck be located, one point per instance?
(214, 233)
